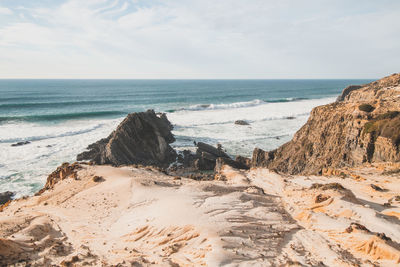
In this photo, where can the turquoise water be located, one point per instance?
(58, 100)
(61, 117)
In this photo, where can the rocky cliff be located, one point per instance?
(362, 126)
(141, 138)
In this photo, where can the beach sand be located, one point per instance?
(140, 216)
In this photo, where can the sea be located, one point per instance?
(60, 118)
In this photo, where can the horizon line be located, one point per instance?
(188, 79)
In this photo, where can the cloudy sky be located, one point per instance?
(199, 38)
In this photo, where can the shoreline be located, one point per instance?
(303, 204)
(52, 152)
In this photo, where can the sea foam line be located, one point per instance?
(44, 137)
(244, 104)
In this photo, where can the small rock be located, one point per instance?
(97, 179)
(6, 196)
(241, 122)
(255, 190)
(383, 236)
(21, 143)
(321, 198)
(377, 188)
(356, 226)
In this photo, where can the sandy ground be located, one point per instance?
(141, 217)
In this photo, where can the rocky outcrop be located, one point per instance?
(347, 91)
(342, 134)
(220, 162)
(62, 172)
(207, 155)
(207, 158)
(141, 138)
(246, 162)
(5, 197)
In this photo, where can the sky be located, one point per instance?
(199, 39)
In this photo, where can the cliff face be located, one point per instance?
(141, 138)
(363, 125)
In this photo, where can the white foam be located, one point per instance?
(252, 103)
(268, 129)
(266, 111)
(29, 165)
(52, 144)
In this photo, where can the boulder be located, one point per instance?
(241, 122)
(230, 162)
(141, 138)
(21, 143)
(243, 161)
(5, 197)
(202, 164)
(217, 152)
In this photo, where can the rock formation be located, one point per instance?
(5, 197)
(241, 122)
(62, 172)
(207, 158)
(230, 162)
(345, 133)
(21, 143)
(141, 138)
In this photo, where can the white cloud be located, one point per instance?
(5, 11)
(202, 39)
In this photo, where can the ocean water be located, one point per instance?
(61, 117)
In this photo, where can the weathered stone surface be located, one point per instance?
(230, 162)
(205, 157)
(218, 152)
(21, 143)
(244, 161)
(64, 171)
(5, 197)
(141, 138)
(339, 134)
(203, 160)
(241, 122)
(347, 91)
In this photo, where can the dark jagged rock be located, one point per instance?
(241, 122)
(203, 164)
(207, 156)
(246, 162)
(186, 158)
(217, 152)
(141, 138)
(230, 162)
(377, 188)
(262, 158)
(5, 197)
(203, 160)
(21, 143)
